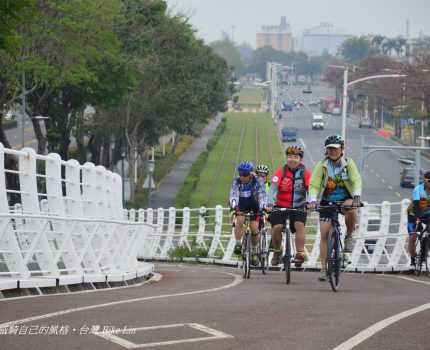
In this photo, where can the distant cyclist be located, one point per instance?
(262, 172)
(335, 179)
(288, 190)
(419, 208)
(247, 195)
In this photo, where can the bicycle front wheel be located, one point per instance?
(287, 256)
(423, 257)
(264, 256)
(246, 257)
(334, 260)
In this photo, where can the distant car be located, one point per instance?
(365, 123)
(336, 111)
(409, 160)
(407, 177)
(286, 107)
(317, 121)
(289, 134)
(308, 90)
(313, 103)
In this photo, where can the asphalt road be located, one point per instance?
(381, 180)
(15, 136)
(194, 301)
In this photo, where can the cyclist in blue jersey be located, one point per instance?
(419, 208)
(247, 195)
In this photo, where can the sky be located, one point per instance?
(386, 17)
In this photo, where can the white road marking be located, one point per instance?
(398, 194)
(383, 181)
(308, 151)
(408, 279)
(377, 327)
(377, 175)
(390, 188)
(214, 335)
(237, 280)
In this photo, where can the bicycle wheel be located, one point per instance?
(423, 257)
(287, 256)
(246, 256)
(334, 260)
(418, 264)
(264, 261)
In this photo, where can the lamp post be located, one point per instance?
(347, 84)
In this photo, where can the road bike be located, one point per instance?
(423, 239)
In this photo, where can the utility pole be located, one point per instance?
(23, 108)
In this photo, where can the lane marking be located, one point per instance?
(308, 151)
(398, 194)
(390, 188)
(214, 335)
(377, 327)
(237, 280)
(383, 181)
(409, 279)
(377, 175)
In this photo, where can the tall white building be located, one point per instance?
(323, 38)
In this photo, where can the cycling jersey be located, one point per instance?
(248, 196)
(347, 178)
(421, 201)
(289, 187)
(335, 190)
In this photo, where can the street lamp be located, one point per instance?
(347, 84)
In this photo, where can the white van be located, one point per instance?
(317, 121)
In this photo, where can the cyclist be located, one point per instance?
(247, 195)
(262, 172)
(335, 179)
(419, 208)
(288, 190)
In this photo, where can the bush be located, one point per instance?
(183, 251)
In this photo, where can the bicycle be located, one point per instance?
(335, 255)
(246, 243)
(423, 238)
(263, 251)
(289, 243)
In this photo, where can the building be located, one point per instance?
(277, 37)
(324, 38)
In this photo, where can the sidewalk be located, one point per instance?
(165, 194)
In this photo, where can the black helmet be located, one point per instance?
(335, 141)
(427, 175)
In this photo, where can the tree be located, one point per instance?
(355, 48)
(230, 53)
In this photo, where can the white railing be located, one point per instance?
(63, 223)
(380, 240)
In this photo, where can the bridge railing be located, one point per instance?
(380, 240)
(63, 223)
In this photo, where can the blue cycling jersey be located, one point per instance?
(423, 197)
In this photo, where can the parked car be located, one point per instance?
(407, 177)
(289, 134)
(365, 123)
(317, 121)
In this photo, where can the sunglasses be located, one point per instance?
(426, 180)
(243, 173)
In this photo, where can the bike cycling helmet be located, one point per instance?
(262, 169)
(335, 141)
(427, 175)
(294, 150)
(245, 167)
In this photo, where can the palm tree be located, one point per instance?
(400, 44)
(377, 41)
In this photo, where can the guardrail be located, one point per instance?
(380, 240)
(62, 223)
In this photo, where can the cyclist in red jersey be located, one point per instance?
(289, 190)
